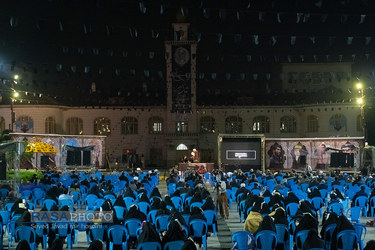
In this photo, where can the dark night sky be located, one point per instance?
(59, 47)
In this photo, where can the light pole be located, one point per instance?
(361, 102)
(13, 97)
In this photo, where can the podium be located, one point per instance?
(184, 166)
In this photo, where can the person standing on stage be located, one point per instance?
(195, 155)
(222, 201)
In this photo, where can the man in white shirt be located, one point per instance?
(222, 199)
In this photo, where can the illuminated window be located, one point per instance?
(74, 126)
(288, 124)
(129, 125)
(182, 147)
(181, 127)
(102, 126)
(261, 124)
(155, 125)
(207, 124)
(233, 125)
(50, 125)
(312, 124)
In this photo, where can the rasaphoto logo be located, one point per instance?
(67, 216)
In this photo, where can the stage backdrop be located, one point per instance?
(319, 153)
(51, 150)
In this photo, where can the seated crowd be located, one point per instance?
(288, 205)
(143, 214)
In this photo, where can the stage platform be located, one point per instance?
(184, 166)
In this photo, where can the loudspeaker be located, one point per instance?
(3, 167)
(86, 158)
(44, 161)
(302, 160)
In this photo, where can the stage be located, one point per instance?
(184, 166)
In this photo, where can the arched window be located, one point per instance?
(233, 125)
(261, 125)
(155, 125)
(74, 126)
(337, 122)
(129, 126)
(25, 124)
(207, 124)
(182, 147)
(312, 124)
(288, 124)
(50, 125)
(359, 123)
(102, 126)
(2, 124)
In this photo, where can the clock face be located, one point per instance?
(181, 56)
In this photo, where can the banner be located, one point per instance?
(319, 154)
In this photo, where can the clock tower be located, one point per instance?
(181, 88)
(181, 71)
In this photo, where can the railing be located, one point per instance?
(179, 134)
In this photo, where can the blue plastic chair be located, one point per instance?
(282, 233)
(161, 223)
(26, 194)
(241, 239)
(76, 197)
(64, 230)
(149, 246)
(99, 202)
(301, 237)
(291, 209)
(38, 195)
(9, 206)
(171, 188)
(362, 203)
(90, 201)
(361, 234)
(117, 235)
(144, 207)
(304, 187)
(242, 210)
(4, 193)
(95, 232)
(372, 205)
(128, 202)
(110, 197)
(186, 218)
(67, 202)
(266, 240)
(174, 245)
(336, 207)
(26, 233)
(198, 229)
(119, 212)
(196, 204)
(211, 217)
(131, 225)
(348, 239)
(177, 202)
(42, 230)
(187, 200)
(255, 192)
(354, 214)
(318, 203)
(328, 234)
(151, 216)
(48, 203)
